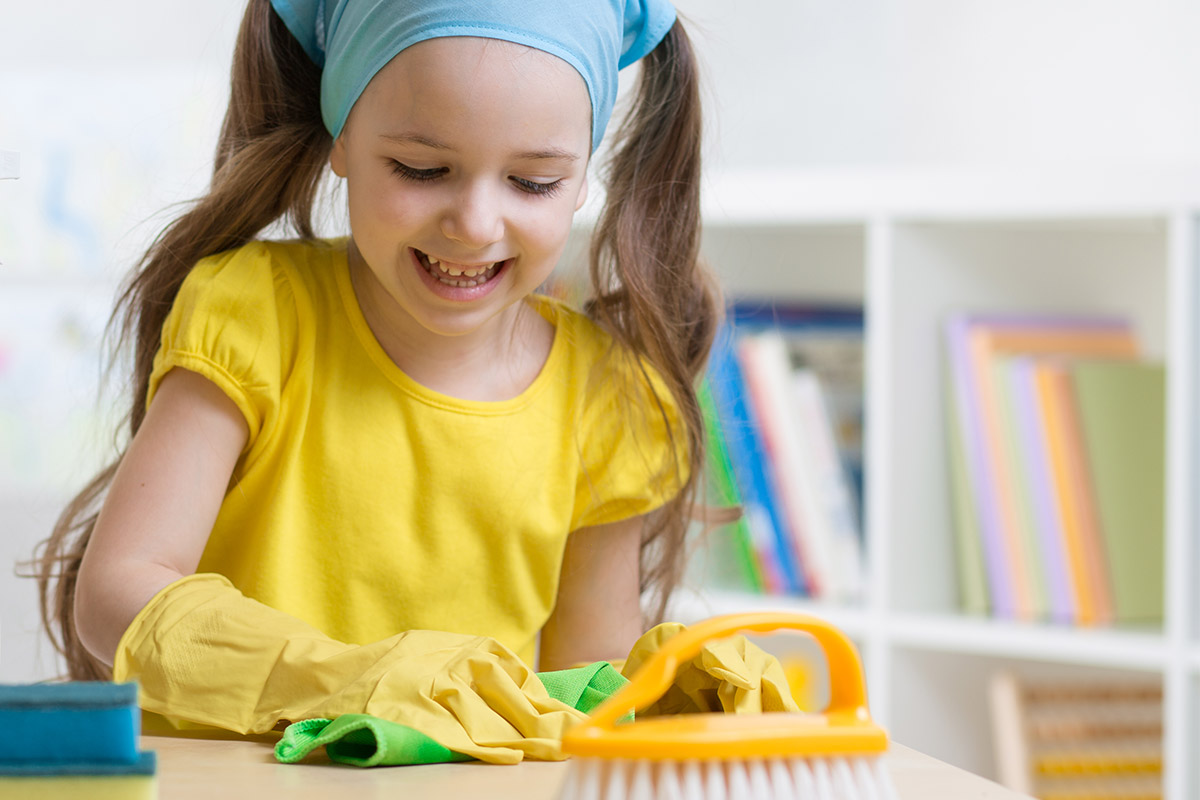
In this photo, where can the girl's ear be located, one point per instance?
(337, 156)
(583, 190)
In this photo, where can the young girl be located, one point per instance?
(351, 457)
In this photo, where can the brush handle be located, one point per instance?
(848, 693)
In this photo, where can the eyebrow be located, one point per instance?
(545, 154)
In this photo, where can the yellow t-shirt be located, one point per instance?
(367, 504)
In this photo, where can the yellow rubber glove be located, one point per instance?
(205, 653)
(732, 675)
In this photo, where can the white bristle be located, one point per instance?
(584, 781)
(671, 780)
(783, 785)
(615, 785)
(864, 779)
(841, 778)
(822, 780)
(760, 783)
(641, 785)
(802, 778)
(714, 779)
(693, 779)
(737, 781)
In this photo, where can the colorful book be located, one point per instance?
(752, 469)
(731, 546)
(764, 362)
(1122, 412)
(973, 342)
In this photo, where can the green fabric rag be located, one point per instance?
(363, 740)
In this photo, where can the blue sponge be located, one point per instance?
(93, 723)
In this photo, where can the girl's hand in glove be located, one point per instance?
(732, 675)
(205, 653)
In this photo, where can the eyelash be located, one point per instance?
(423, 175)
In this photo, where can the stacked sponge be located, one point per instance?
(73, 740)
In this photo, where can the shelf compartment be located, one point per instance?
(1114, 266)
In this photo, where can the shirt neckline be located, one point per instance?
(549, 308)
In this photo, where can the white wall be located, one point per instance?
(852, 82)
(114, 109)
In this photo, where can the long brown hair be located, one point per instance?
(648, 288)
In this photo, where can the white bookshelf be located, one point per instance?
(913, 245)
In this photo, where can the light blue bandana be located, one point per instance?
(351, 40)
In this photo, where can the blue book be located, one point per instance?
(752, 468)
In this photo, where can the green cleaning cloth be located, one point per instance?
(363, 740)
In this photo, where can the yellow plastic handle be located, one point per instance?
(848, 693)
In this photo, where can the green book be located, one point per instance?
(1122, 410)
(731, 552)
(972, 580)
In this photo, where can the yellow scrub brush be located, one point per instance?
(834, 755)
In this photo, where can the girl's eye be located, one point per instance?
(414, 174)
(533, 187)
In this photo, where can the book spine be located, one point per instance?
(967, 406)
(1095, 564)
(726, 490)
(1021, 516)
(1064, 493)
(749, 463)
(1031, 435)
(972, 577)
(999, 521)
(830, 484)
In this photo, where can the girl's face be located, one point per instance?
(465, 161)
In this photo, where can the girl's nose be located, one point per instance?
(473, 217)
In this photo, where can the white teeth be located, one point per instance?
(473, 276)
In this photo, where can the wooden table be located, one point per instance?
(204, 769)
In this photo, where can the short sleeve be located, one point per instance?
(234, 322)
(634, 447)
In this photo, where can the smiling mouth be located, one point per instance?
(458, 275)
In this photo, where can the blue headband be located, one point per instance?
(351, 40)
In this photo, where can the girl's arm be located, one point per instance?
(160, 508)
(597, 616)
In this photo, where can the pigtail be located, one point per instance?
(270, 158)
(649, 287)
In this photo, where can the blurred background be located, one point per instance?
(114, 110)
